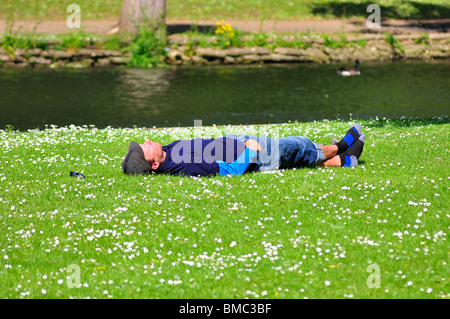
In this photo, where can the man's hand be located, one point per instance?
(253, 145)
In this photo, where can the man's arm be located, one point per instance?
(240, 165)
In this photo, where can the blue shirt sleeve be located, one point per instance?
(239, 166)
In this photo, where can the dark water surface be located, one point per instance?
(124, 97)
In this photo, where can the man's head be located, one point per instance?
(142, 158)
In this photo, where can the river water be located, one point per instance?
(254, 94)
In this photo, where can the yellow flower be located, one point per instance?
(225, 29)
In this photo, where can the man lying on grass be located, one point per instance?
(239, 154)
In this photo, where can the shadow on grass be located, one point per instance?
(408, 122)
(180, 28)
(405, 10)
(439, 26)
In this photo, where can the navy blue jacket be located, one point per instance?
(198, 157)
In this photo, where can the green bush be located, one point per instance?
(390, 39)
(361, 42)
(296, 43)
(76, 40)
(9, 128)
(113, 43)
(9, 44)
(149, 48)
(332, 43)
(25, 41)
(257, 40)
(424, 38)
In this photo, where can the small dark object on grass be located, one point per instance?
(79, 175)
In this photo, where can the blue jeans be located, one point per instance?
(286, 152)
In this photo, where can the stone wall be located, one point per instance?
(436, 46)
(181, 52)
(75, 58)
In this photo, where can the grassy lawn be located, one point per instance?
(231, 9)
(315, 233)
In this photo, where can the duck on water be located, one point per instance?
(347, 71)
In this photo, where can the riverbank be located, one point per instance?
(189, 48)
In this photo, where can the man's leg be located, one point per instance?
(329, 151)
(335, 161)
(331, 157)
(348, 158)
(300, 151)
(349, 139)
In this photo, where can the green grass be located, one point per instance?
(231, 9)
(309, 232)
(57, 9)
(64, 41)
(301, 9)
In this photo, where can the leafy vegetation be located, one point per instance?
(75, 41)
(149, 48)
(342, 42)
(424, 38)
(393, 42)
